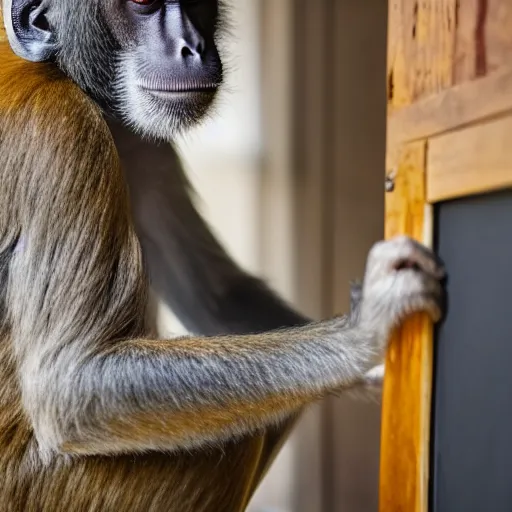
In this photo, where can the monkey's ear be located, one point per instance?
(28, 30)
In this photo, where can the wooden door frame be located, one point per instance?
(443, 147)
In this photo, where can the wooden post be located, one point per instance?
(407, 389)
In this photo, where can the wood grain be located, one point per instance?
(483, 38)
(435, 44)
(407, 389)
(471, 160)
(449, 86)
(421, 45)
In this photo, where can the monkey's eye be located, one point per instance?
(145, 3)
(145, 6)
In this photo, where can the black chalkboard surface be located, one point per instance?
(471, 468)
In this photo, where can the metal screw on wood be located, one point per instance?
(390, 181)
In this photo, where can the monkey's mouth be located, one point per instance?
(180, 90)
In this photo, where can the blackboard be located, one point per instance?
(471, 445)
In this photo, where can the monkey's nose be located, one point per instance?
(189, 51)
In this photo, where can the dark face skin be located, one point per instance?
(152, 63)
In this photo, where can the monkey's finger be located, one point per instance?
(428, 304)
(412, 281)
(411, 287)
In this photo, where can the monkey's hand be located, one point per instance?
(402, 278)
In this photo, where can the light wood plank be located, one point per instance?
(453, 108)
(407, 390)
(470, 161)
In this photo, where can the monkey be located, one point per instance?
(96, 414)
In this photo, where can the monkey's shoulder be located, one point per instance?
(37, 98)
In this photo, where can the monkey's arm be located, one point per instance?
(92, 384)
(194, 274)
(198, 279)
(139, 395)
(188, 267)
(88, 391)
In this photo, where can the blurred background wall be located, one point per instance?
(290, 174)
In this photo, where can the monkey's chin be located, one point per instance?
(163, 115)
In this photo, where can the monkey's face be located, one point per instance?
(168, 78)
(153, 63)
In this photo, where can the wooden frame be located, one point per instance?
(449, 135)
(476, 114)
(455, 143)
